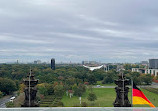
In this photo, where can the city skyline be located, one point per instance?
(72, 62)
(73, 30)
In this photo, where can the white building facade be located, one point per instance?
(146, 71)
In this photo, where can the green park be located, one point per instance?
(71, 85)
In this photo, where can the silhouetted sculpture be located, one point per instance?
(30, 91)
(122, 92)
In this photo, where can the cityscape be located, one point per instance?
(89, 75)
(77, 55)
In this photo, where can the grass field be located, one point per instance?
(105, 98)
(100, 83)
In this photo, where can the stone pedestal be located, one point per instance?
(30, 92)
(122, 92)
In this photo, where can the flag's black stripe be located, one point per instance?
(135, 87)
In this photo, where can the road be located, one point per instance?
(4, 100)
(154, 85)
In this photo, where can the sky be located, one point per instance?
(77, 30)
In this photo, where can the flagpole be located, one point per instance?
(132, 91)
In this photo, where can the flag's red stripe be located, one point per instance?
(139, 93)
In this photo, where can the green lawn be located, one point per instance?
(105, 98)
(100, 83)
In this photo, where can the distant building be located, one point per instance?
(92, 62)
(85, 62)
(152, 71)
(37, 62)
(44, 63)
(140, 70)
(145, 63)
(146, 71)
(53, 64)
(120, 67)
(153, 63)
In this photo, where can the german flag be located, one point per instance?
(139, 97)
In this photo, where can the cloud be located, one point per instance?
(16, 39)
(76, 30)
(76, 36)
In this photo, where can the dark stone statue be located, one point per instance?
(122, 92)
(30, 91)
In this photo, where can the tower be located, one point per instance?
(53, 64)
(153, 63)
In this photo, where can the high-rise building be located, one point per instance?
(144, 62)
(37, 62)
(153, 63)
(53, 64)
(92, 62)
(85, 62)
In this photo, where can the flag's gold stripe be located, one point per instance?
(140, 100)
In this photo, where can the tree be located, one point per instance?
(128, 66)
(135, 76)
(21, 88)
(75, 89)
(99, 74)
(146, 78)
(70, 81)
(42, 89)
(48, 78)
(91, 79)
(46, 89)
(78, 90)
(156, 77)
(7, 85)
(92, 96)
(59, 90)
(109, 77)
(112, 67)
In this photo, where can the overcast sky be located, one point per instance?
(76, 30)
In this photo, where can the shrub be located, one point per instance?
(92, 96)
(10, 104)
(76, 105)
(84, 104)
(60, 104)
